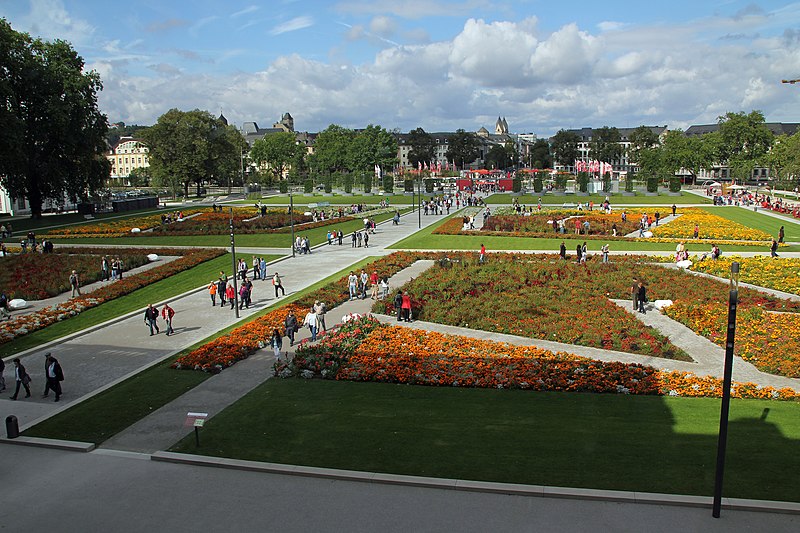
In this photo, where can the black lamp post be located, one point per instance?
(233, 258)
(419, 206)
(291, 218)
(733, 300)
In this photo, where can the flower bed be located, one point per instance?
(777, 273)
(38, 276)
(244, 221)
(116, 227)
(367, 351)
(711, 227)
(24, 324)
(246, 339)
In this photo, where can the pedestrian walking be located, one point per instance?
(642, 294)
(363, 282)
(482, 254)
(290, 322)
(53, 376)
(352, 285)
(773, 250)
(340, 237)
(105, 269)
(562, 251)
(366, 239)
(222, 285)
(406, 306)
(320, 308)
(313, 324)
(22, 378)
(74, 282)
(151, 319)
(780, 235)
(635, 293)
(4, 312)
(276, 281)
(2, 370)
(276, 342)
(212, 291)
(230, 294)
(167, 313)
(604, 250)
(398, 305)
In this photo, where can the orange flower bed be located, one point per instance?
(402, 355)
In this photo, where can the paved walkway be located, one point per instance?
(102, 356)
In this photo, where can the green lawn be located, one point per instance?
(103, 416)
(254, 240)
(615, 199)
(138, 299)
(635, 443)
(426, 240)
(301, 200)
(758, 220)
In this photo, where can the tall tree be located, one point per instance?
(746, 140)
(679, 152)
(540, 154)
(51, 131)
(463, 148)
(372, 146)
(192, 146)
(332, 149)
(276, 151)
(422, 147)
(605, 145)
(783, 160)
(565, 147)
(641, 139)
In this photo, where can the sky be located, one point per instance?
(440, 65)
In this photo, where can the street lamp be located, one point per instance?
(233, 258)
(419, 206)
(733, 300)
(291, 218)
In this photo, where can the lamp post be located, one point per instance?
(291, 219)
(419, 207)
(733, 300)
(233, 258)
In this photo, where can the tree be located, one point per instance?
(643, 145)
(540, 154)
(192, 146)
(332, 149)
(498, 157)
(51, 131)
(372, 146)
(463, 148)
(565, 147)
(746, 140)
(679, 152)
(784, 160)
(605, 145)
(276, 151)
(119, 130)
(422, 147)
(139, 177)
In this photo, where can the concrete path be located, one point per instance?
(104, 355)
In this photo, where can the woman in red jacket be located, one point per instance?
(406, 307)
(230, 294)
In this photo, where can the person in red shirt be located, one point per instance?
(231, 294)
(373, 281)
(406, 307)
(483, 254)
(167, 313)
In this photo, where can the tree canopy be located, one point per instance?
(192, 146)
(565, 147)
(605, 145)
(540, 156)
(277, 151)
(463, 148)
(422, 147)
(51, 130)
(745, 141)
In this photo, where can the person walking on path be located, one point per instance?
(313, 324)
(22, 379)
(212, 291)
(320, 308)
(562, 251)
(4, 312)
(642, 295)
(222, 286)
(352, 285)
(53, 376)
(674, 209)
(578, 251)
(2, 377)
(363, 282)
(482, 256)
(353, 238)
(276, 281)
(75, 283)
(276, 342)
(635, 293)
(243, 294)
(230, 294)
(291, 326)
(696, 231)
(167, 313)
(151, 319)
(406, 306)
(773, 250)
(366, 239)
(584, 253)
(398, 305)
(340, 236)
(780, 235)
(373, 281)
(604, 250)
(262, 267)
(105, 269)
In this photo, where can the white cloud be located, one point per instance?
(383, 26)
(297, 23)
(245, 11)
(51, 20)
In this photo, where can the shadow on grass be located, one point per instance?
(557, 439)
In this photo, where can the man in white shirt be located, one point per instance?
(313, 324)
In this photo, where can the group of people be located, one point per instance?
(111, 268)
(223, 288)
(151, 315)
(176, 216)
(359, 284)
(302, 245)
(53, 375)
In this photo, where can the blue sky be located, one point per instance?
(441, 65)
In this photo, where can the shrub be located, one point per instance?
(308, 185)
(429, 185)
(607, 182)
(348, 184)
(652, 184)
(388, 183)
(538, 184)
(629, 178)
(561, 181)
(328, 184)
(516, 185)
(408, 185)
(583, 181)
(367, 182)
(674, 184)
(283, 186)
